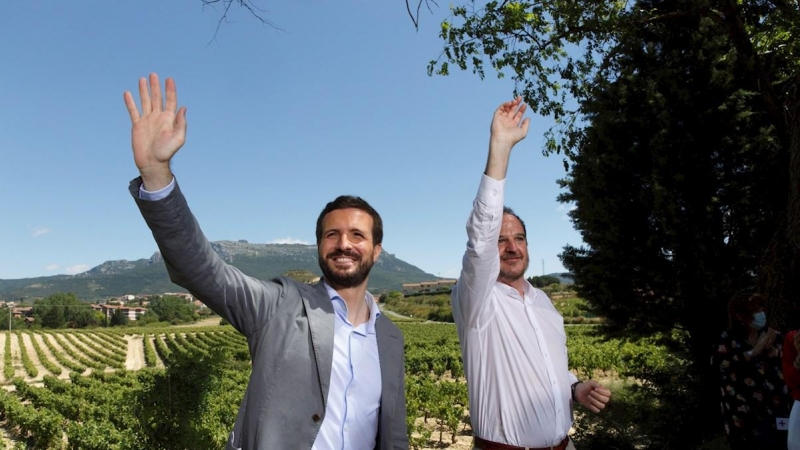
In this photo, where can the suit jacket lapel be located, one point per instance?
(320, 324)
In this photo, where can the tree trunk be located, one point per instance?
(779, 274)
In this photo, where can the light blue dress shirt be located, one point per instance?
(354, 397)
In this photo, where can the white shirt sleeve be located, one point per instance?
(156, 195)
(481, 263)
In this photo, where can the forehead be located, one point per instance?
(755, 305)
(511, 226)
(347, 218)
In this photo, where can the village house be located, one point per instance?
(133, 313)
(428, 287)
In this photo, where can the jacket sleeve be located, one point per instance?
(245, 302)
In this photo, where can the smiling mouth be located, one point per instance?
(343, 259)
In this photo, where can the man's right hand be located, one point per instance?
(157, 133)
(508, 128)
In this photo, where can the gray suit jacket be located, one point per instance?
(289, 329)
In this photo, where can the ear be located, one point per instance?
(376, 252)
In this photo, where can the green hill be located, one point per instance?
(149, 276)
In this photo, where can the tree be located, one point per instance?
(543, 281)
(63, 310)
(119, 318)
(170, 308)
(681, 212)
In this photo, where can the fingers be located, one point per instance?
(596, 401)
(155, 93)
(131, 105)
(525, 125)
(598, 397)
(601, 393)
(521, 110)
(180, 122)
(144, 96)
(172, 95)
(512, 107)
(151, 98)
(507, 106)
(511, 114)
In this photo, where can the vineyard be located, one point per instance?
(176, 388)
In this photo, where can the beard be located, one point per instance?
(339, 279)
(513, 274)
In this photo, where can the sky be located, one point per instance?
(333, 98)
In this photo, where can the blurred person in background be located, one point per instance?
(754, 400)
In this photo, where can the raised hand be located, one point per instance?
(508, 128)
(158, 132)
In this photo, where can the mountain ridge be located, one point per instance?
(148, 276)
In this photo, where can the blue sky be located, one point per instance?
(337, 101)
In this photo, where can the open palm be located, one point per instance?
(158, 132)
(508, 125)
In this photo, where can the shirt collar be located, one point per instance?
(511, 292)
(340, 307)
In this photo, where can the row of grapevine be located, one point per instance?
(188, 388)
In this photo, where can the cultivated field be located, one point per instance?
(37, 365)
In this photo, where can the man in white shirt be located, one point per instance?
(512, 338)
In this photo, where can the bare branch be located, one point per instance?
(414, 15)
(254, 10)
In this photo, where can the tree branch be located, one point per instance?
(246, 4)
(414, 15)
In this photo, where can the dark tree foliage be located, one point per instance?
(543, 280)
(119, 318)
(677, 182)
(63, 310)
(678, 186)
(170, 308)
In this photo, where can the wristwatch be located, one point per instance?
(572, 388)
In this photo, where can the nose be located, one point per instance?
(511, 246)
(343, 243)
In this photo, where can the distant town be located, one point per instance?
(133, 307)
(130, 306)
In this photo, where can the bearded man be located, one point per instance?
(327, 368)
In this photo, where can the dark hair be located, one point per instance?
(744, 305)
(349, 201)
(507, 210)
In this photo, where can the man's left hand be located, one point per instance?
(592, 395)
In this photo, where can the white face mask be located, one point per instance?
(759, 320)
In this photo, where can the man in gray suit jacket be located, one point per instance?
(328, 368)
